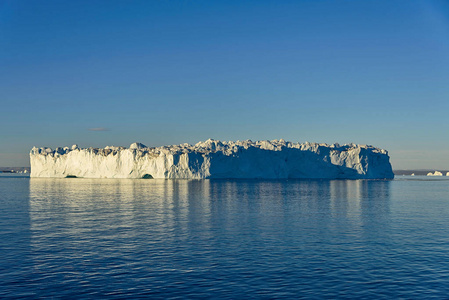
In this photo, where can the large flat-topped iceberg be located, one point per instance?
(215, 159)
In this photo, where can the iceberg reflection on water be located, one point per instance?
(207, 238)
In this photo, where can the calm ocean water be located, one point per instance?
(91, 238)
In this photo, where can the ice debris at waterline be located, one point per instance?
(215, 159)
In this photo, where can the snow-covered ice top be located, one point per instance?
(215, 159)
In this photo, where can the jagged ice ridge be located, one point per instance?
(215, 159)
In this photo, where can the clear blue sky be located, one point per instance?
(169, 72)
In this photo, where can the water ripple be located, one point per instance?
(173, 239)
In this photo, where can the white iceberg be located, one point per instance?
(215, 159)
(435, 174)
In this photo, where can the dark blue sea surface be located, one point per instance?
(169, 239)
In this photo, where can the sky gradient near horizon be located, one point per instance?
(98, 73)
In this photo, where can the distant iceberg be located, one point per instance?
(215, 159)
(435, 174)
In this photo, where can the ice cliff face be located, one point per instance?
(215, 159)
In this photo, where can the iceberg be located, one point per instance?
(437, 173)
(276, 159)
